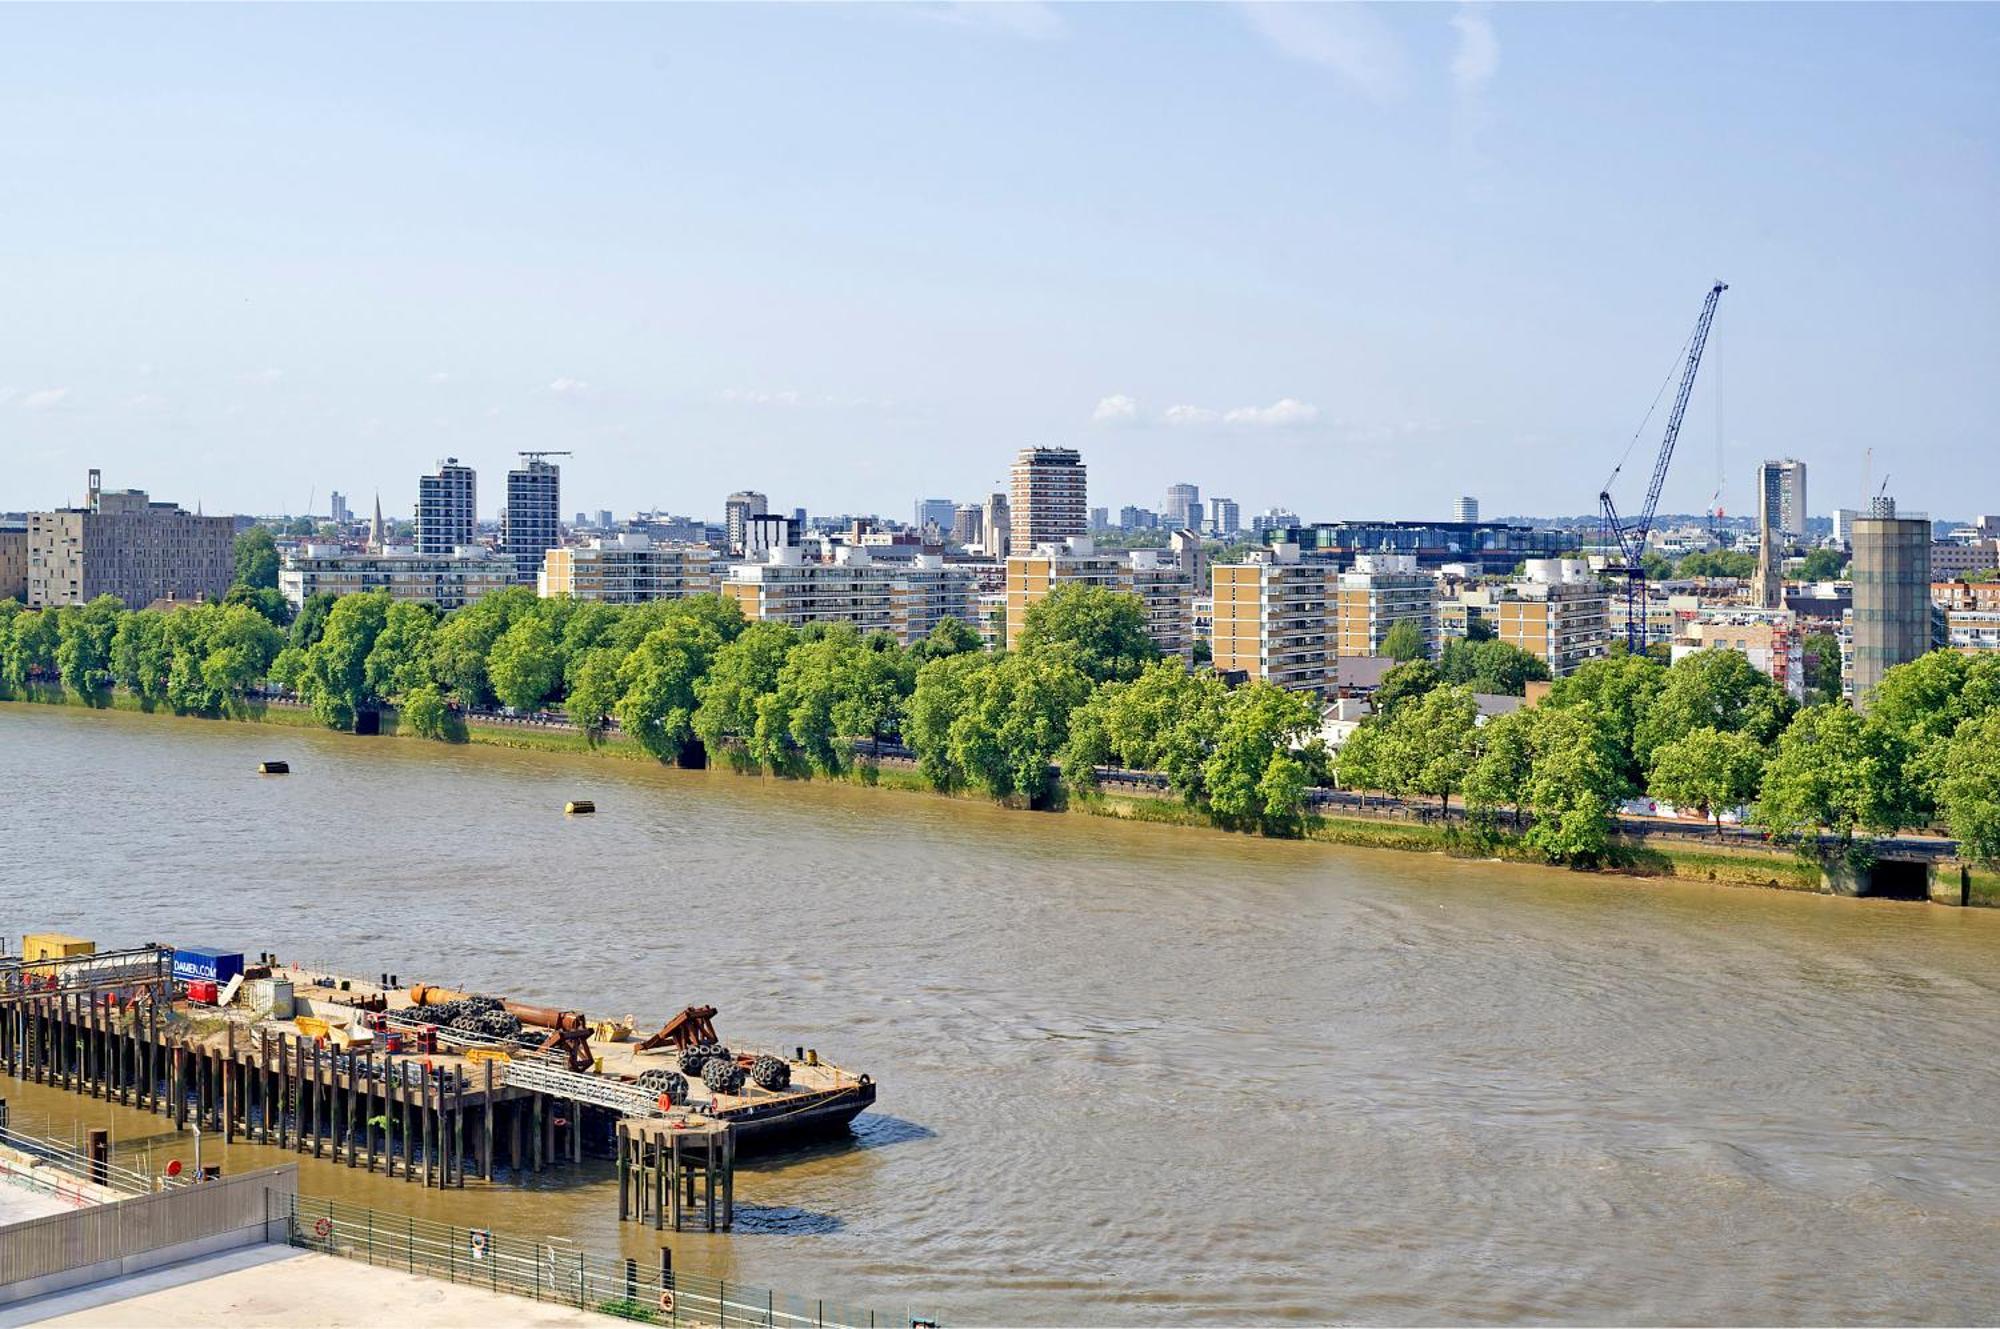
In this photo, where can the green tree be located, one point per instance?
(1493, 667)
(270, 603)
(657, 700)
(1501, 769)
(834, 685)
(1967, 789)
(1617, 692)
(1712, 689)
(745, 671)
(1253, 779)
(1832, 770)
(1657, 565)
(1403, 683)
(257, 560)
(593, 690)
(1013, 721)
(334, 679)
(424, 711)
(140, 657)
(83, 645)
(1166, 720)
(1104, 630)
(310, 621)
(522, 664)
(1478, 628)
(241, 643)
(1823, 564)
(1427, 746)
(462, 647)
(400, 660)
(1929, 697)
(1573, 786)
(31, 648)
(1820, 657)
(1404, 641)
(1718, 563)
(1709, 769)
(944, 693)
(1357, 763)
(950, 637)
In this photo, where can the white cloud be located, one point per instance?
(147, 401)
(1190, 415)
(761, 397)
(440, 377)
(1477, 58)
(1116, 410)
(1280, 414)
(570, 387)
(1345, 38)
(267, 376)
(44, 399)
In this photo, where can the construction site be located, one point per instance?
(416, 1083)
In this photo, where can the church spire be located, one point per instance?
(375, 527)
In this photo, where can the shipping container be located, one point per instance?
(272, 996)
(203, 991)
(52, 946)
(200, 962)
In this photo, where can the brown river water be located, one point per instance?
(1129, 1073)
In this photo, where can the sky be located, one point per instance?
(1351, 261)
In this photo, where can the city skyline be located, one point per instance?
(1401, 253)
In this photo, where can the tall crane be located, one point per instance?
(1629, 534)
(538, 455)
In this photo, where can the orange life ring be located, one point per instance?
(323, 1227)
(666, 1301)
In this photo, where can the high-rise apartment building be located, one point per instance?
(14, 561)
(1843, 525)
(626, 569)
(1271, 619)
(966, 524)
(337, 509)
(907, 600)
(1225, 518)
(1100, 520)
(1892, 595)
(1163, 586)
(534, 515)
(1183, 506)
(1466, 509)
(737, 509)
(1558, 614)
(1050, 497)
(1781, 495)
(121, 543)
(447, 509)
(1382, 591)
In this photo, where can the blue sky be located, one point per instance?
(1353, 261)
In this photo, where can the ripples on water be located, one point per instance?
(1130, 1073)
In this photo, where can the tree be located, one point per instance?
(335, 675)
(1493, 667)
(949, 637)
(241, 645)
(311, 620)
(522, 664)
(944, 692)
(657, 700)
(1478, 628)
(1404, 682)
(1833, 770)
(1573, 786)
(1708, 769)
(1617, 693)
(1929, 697)
(1967, 789)
(1103, 630)
(140, 658)
(1404, 641)
(400, 660)
(1714, 689)
(1657, 565)
(833, 685)
(31, 649)
(1357, 763)
(270, 603)
(257, 560)
(745, 671)
(1720, 563)
(1820, 654)
(1501, 769)
(1253, 779)
(1823, 564)
(1427, 745)
(83, 645)
(593, 690)
(424, 711)
(1166, 720)
(462, 647)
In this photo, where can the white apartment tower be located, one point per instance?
(447, 508)
(1050, 498)
(1781, 494)
(534, 506)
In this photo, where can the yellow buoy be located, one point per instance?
(579, 806)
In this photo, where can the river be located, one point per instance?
(1129, 1072)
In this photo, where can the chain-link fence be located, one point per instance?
(558, 1272)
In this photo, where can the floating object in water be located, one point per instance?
(274, 768)
(579, 806)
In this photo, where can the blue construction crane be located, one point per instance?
(1630, 535)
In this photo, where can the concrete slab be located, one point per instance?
(280, 1286)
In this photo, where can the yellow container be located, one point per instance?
(52, 946)
(312, 1026)
(486, 1054)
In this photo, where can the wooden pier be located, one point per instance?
(679, 1170)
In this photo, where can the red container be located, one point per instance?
(392, 1043)
(202, 990)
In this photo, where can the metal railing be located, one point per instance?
(71, 1161)
(554, 1271)
(600, 1091)
(143, 1223)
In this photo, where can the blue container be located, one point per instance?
(193, 964)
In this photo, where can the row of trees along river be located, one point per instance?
(1085, 687)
